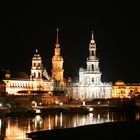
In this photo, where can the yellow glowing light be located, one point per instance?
(61, 103)
(38, 111)
(90, 109)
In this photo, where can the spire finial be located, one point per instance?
(92, 37)
(57, 36)
(36, 50)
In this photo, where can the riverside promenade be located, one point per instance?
(111, 105)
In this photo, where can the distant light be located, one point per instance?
(90, 109)
(37, 118)
(0, 104)
(38, 111)
(56, 102)
(61, 103)
(83, 103)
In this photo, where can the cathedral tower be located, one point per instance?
(37, 67)
(90, 86)
(57, 62)
(92, 74)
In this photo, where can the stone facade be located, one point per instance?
(89, 86)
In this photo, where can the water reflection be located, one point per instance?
(15, 128)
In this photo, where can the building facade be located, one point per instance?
(125, 90)
(22, 83)
(89, 86)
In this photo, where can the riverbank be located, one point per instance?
(68, 109)
(128, 106)
(58, 110)
(106, 131)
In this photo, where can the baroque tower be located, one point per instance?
(93, 74)
(37, 67)
(90, 86)
(57, 63)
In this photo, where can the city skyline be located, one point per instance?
(116, 33)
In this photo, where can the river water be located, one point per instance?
(16, 127)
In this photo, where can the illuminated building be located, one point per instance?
(57, 63)
(89, 86)
(125, 90)
(37, 67)
(22, 83)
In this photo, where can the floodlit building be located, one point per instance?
(57, 64)
(23, 83)
(125, 90)
(89, 86)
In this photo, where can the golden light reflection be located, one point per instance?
(138, 116)
(56, 120)
(17, 127)
(38, 121)
(14, 131)
(83, 121)
(61, 119)
(90, 118)
(49, 122)
(75, 123)
(98, 117)
(108, 117)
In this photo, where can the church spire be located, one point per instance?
(57, 36)
(92, 47)
(57, 39)
(92, 35)
(57, 62)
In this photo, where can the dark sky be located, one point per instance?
(25, 27)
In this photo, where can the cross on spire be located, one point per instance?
(57, 36)
(92, 35)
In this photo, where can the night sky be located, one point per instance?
(25, 27)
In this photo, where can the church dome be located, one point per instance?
(119, 82)
(36, 56)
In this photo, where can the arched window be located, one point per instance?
(92, 80)
(92, 52)
(92, 67)
(39, 75)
